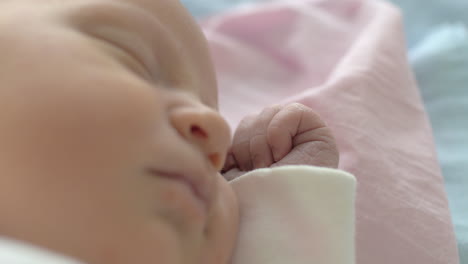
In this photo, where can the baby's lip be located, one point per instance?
(196, 184)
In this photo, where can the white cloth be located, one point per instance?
(292, 214)
(295, 215)
(16, 252)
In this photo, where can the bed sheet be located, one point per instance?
(437, 37)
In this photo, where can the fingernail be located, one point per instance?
(276, 155)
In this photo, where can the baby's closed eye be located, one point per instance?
(136, 37)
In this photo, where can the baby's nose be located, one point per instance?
(205, 128)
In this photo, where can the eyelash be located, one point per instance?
(143, 70)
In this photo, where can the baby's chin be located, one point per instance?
(224, 226)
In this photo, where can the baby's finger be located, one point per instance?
(241, 144)
(230, 162)
(260, 150)
(282, 129)
(311, 140)
(250, 145)
(316, 153)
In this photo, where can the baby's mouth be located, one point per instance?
(196, 189)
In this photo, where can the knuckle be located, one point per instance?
(275, 107)
(244, 129)
(274, 129)
(296, 107)
(247, 121)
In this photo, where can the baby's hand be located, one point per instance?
(281, 135)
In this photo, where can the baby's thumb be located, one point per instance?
(321, 153)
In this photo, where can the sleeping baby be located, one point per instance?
(112, 148)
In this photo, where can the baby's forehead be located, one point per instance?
(170, 14)
(176, 18)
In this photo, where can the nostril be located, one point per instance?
(198, 132)
(215, 159)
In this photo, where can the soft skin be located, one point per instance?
(281, 135)
(104, 106)
(97, 98)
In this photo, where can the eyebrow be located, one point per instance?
(142, 24)
(138, 22)
(118, 10)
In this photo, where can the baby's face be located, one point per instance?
(110, 139)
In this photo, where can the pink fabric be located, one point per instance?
(346, 59)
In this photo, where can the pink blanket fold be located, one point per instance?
(346, 59)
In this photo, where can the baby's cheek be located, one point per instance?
(222, 234)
